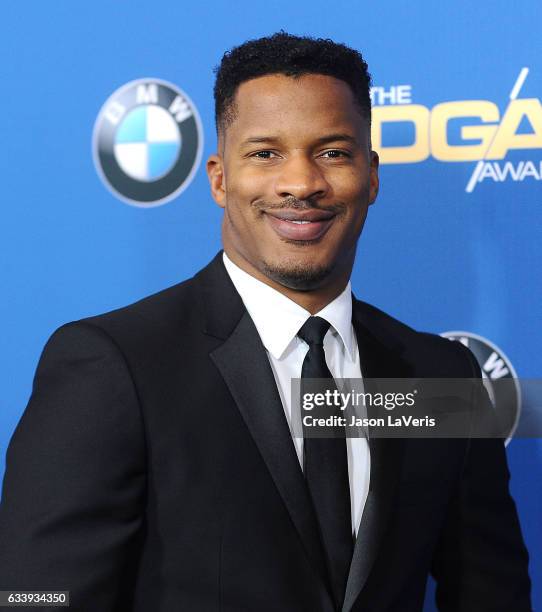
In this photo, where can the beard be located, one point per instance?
(297, 276)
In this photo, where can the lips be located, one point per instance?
(300, 225)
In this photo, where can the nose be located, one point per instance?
(301, 177)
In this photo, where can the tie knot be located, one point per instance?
(313, 330)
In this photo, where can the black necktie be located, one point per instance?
(326, 466)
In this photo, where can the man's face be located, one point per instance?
(295, 176)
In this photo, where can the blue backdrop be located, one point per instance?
(453, 242)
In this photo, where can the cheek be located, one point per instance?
(350, 184)
(353, 191)
(361, 187)
(247, 184)
(243, 188)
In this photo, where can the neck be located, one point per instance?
(312, 300)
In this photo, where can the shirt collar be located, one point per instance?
(278, 318)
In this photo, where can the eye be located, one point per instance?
(262, 154)
(335, 154)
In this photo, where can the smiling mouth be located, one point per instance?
(302, 225)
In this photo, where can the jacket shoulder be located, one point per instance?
(164, 305)
(151, 323)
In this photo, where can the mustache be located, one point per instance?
(292, 202)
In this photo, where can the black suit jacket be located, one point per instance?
(153, 470)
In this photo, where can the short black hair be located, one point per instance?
(283, 53)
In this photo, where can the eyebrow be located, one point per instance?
(339, 137)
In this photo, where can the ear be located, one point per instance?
(217, 180)
(373, 177)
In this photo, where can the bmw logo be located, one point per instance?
(147, 142)
(495, 366)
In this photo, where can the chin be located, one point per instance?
(301, 275)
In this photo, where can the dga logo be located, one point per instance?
(460, 131)
(147, 142)
(495, 365)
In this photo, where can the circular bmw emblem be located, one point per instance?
(147, 142)
(500, 378)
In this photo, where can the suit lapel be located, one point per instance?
(380, 358)
(245, 368)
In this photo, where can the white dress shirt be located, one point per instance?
(278, 319)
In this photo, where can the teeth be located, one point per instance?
(300, 222)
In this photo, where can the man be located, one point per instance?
(155, 468)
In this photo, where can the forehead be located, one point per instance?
(294, 106)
